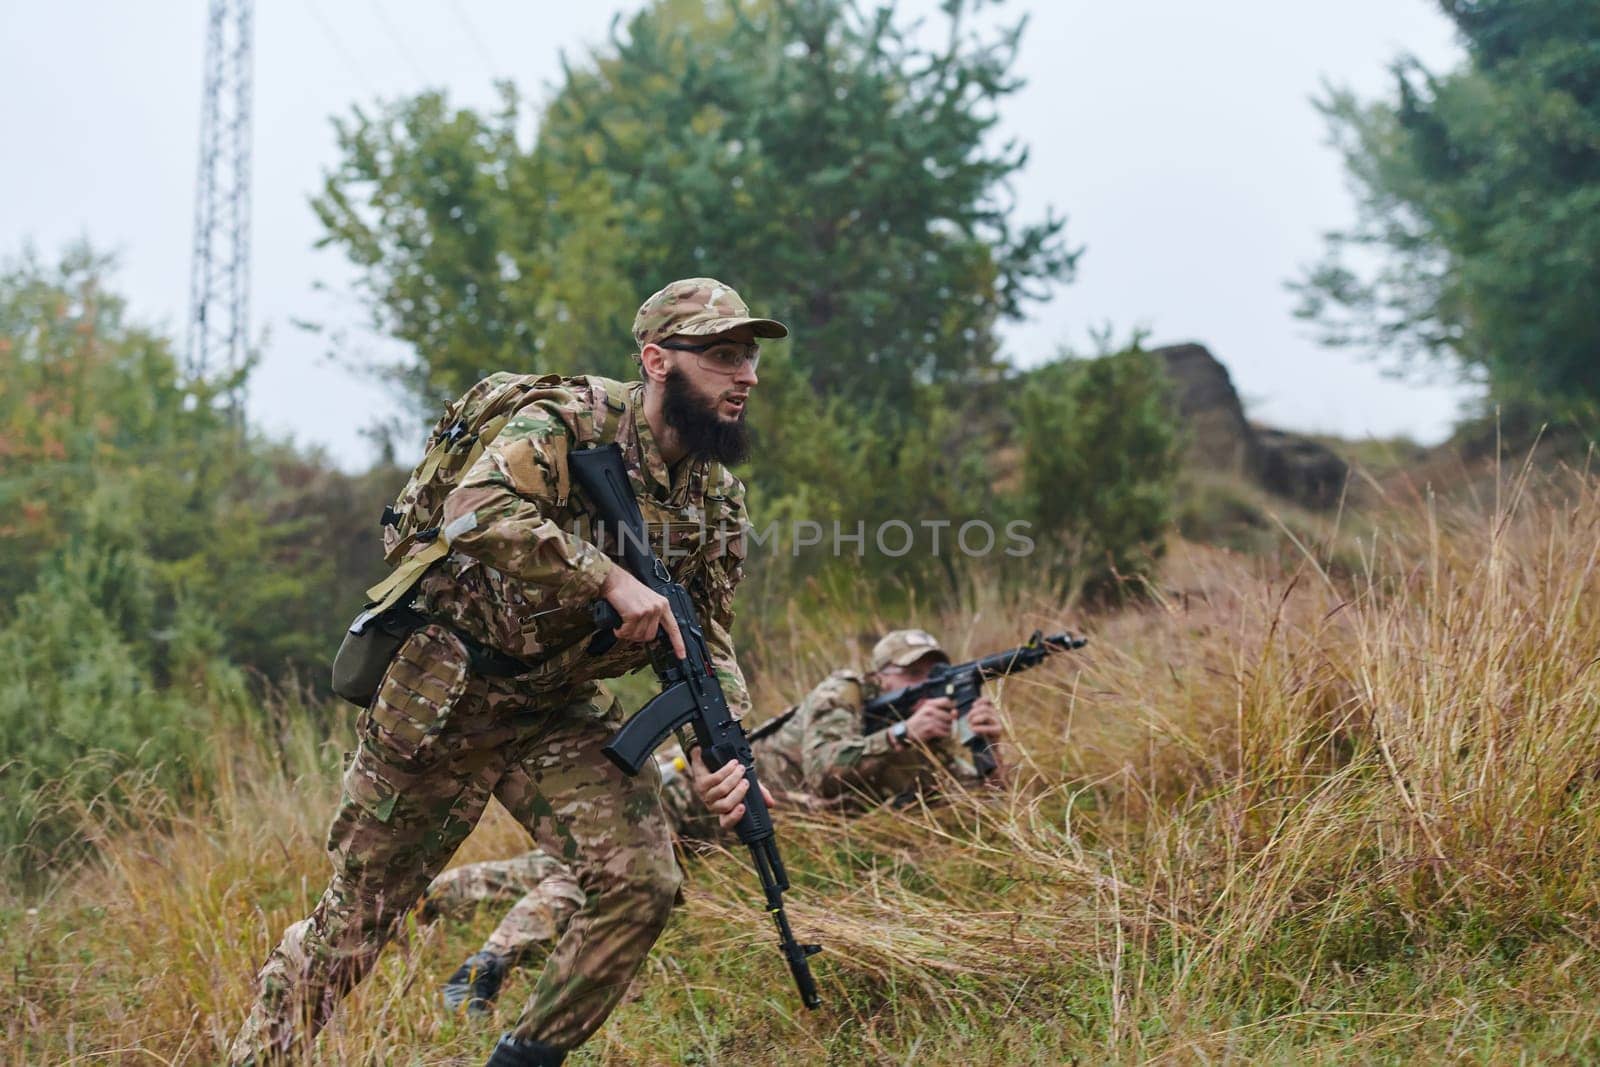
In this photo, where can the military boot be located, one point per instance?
(510, 1052)
(476, 983)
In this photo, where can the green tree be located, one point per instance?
(85, 395)
(152, 554)
(1100, 456)
(1480, 191)
(811, 153)
(102, 433)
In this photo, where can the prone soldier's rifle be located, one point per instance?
(962, 683)
(691, 696)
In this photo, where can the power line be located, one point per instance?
(339, 49)
(399, 43)
(472, 35)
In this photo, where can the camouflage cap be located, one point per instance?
(904, 647)
(697, 307)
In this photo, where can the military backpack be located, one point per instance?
(414, 537)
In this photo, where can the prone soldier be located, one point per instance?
(858, 763)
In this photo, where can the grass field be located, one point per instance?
(1280, 811)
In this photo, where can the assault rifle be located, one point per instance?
(962, 683)
(691, 696)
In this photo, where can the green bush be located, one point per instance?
(152, 555)
(80, 703)
(157, 556)
(1099, 465)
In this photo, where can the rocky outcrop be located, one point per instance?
(1218, 435)
(1299, 468)
(1220, 438)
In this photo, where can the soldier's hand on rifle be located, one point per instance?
(643, 610)
(723, 789)
(931, 719)
(984, 718)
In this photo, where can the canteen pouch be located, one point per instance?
(369, 645)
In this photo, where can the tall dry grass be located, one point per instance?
(1272, 814)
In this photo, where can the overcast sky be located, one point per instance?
(1178, 139)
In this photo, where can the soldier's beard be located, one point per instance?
(701, 431)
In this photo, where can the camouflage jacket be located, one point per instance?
(824, 739)
(524, 566)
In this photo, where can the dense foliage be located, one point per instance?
(153, 554)
(157, 557)
(1339, 803)
(1286, 817)
(811, 154)
(1479, 191)
(817, 156)
(1100, 454)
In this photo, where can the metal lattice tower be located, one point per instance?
(219, 284)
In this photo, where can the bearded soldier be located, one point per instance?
(497, 696)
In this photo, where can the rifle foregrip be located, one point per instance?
(756, 823)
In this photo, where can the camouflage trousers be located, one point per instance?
(435, 745)
(541, 890)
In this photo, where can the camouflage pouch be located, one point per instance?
(369, 645)
(423, 685)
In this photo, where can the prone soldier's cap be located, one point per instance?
(904, 647)
(697, 307)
